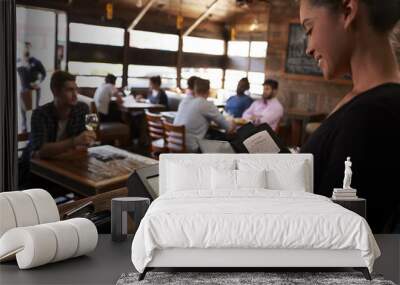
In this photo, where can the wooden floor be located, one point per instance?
(103, 266)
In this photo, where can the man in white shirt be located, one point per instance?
(197, 113)
(102, 97)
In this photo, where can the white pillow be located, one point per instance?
(282, 174)
(251, 179)
(186, 176)
(223, 179)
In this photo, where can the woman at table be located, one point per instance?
(156, 95)
(352, 37)
(238, 103)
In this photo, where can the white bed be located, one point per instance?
(243, 210)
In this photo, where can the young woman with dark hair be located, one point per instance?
(353, 37)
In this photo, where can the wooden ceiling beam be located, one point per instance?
(200, 19)
(141, 15)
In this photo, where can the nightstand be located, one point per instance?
(119, 209)
(358, 205)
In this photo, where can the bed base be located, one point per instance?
(363, 270)
(243, 260)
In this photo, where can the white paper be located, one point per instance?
(261, 142)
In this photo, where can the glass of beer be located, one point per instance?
(91, 124)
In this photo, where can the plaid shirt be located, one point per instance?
(44, 124)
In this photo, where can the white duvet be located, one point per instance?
(250, 219)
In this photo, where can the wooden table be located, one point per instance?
(86, 172)
(299, 120)
(130, 104)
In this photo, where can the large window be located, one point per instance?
(258, 49)
(36, 32)
(61, 52)
(135, 70)
(232, 78)
(150, 40)
(212, 74)
(139, 75)
(93, 34)
(256, 80)
(241, 48)
(203, 45)
(94, 81)
(246, 49)
(94, 68)
(238, 48)
(91, 74)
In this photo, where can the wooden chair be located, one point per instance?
(155, 129)
(175, 137)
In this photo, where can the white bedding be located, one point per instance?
(252, 218)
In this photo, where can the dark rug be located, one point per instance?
(273, 278)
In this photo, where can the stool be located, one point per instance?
(119, 208)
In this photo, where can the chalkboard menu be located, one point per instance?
(297, 61)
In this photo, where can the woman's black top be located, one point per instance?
(367, 128)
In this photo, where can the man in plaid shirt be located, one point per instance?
(58, 126)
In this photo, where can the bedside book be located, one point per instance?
(344, 194)
(341, 190)
(335, 197)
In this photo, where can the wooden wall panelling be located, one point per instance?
(179, 59)
(202, 60)
(152, 57)
(94, 53)
(125, 58)
(81, 17)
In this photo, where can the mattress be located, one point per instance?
(250, 219)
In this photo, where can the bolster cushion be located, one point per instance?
(26, 208)
(40, 244)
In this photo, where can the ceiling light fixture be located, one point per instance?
(254, 25)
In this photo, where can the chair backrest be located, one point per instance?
(174, 100)
(89, 102)
(23, 139)
(175, 137)
(155, 126)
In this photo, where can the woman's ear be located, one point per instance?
(350, 10)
